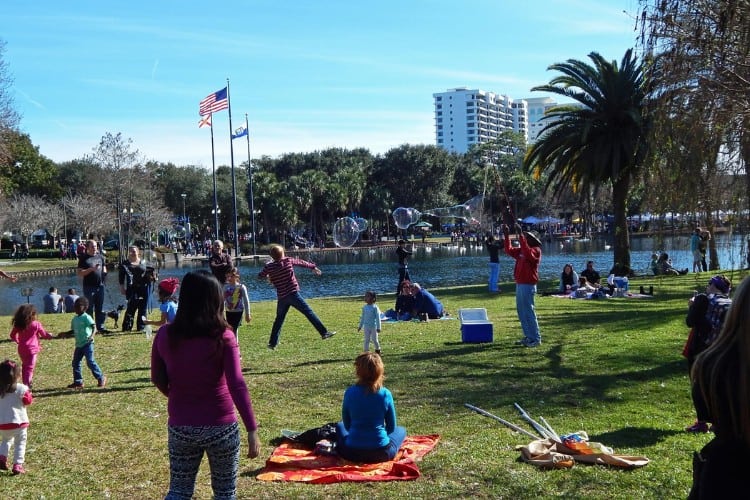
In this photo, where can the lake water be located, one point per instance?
(352, 271)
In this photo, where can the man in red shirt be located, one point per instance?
(526, 275)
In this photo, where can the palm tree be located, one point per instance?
(598, 141)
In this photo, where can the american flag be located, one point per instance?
(205, 121)
(214, 102)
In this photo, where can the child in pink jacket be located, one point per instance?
(26, 332)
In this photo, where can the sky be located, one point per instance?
(309, 75)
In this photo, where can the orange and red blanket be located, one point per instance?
(296, 462)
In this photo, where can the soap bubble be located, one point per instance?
(362, 223)
(405, 217)
(345, 232)
(468, 211)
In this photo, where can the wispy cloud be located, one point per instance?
(28, 98)
(154, 68)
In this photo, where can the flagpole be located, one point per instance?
(213, 172)
(250, 175)
(234, 189)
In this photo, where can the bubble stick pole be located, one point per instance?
(502, 421)
(536, 425)
(507, 202)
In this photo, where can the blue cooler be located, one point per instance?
(475, 327)
(621, 283)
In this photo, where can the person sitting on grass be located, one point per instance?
(664, 266)
(426, 305)
(367, 431)
(568, 279)
(585, 286)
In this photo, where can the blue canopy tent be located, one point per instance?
(531, 220)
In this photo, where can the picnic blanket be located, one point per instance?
(296, 462)
(628, 295)
(549, 454)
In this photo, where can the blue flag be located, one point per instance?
(239, 132)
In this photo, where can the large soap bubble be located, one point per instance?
(405, 217)
(470, 211)
(345, 232)
(362, 223)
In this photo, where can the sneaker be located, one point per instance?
(3, 462)
(104, 331)
(698, 426)
(377, 351)
(327, 335)
(76, 385)
(18, 469)
(272, 347)
(102, 381)
(533, 343)
(521, 341)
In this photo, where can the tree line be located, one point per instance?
(664, 129)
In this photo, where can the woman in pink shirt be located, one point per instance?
(26, 332)
(195, 362)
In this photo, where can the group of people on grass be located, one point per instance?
(588, 282)
(195, 363)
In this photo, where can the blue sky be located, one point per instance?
(309, 74)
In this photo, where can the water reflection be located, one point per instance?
(353, 271)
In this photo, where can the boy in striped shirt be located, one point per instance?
(280, 272)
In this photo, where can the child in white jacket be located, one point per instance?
(370, 321)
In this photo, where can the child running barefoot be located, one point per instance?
(26, 332)
(370, 321)
(168, 307)
(14, 398)
(236, 300)
(84, 329)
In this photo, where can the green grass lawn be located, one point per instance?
(611, 367)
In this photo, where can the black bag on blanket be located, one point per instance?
(311, 436)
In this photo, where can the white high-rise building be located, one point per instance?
(464, 117)
(537, 106)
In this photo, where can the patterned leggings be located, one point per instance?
(186, 447)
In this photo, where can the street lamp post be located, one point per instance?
(184, 195)
(129, 213)
(184, 219)
(216, 212)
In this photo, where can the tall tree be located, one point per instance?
(121, 165)
(417, 176)
(26, 171)
(9, 117)
(701, 54)
(599, 142)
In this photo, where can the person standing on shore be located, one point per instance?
(92, 269)
(695, 243)
(703, 248)
(135, 288)
(526, 275)
(220, 262)
(493, 247)
(403, 262)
